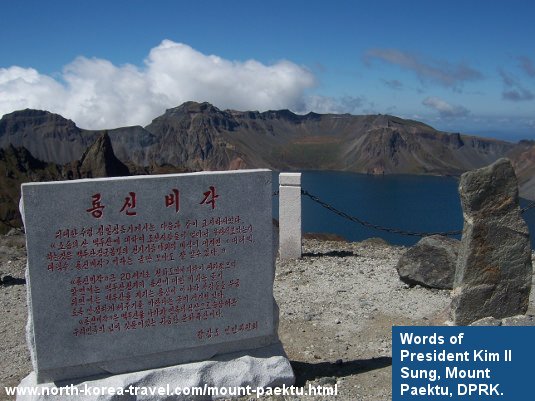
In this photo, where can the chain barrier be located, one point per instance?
(376, 226)
(386, 229)
(528, 207)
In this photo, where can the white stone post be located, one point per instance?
(290, 215)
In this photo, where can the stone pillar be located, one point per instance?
(290, 215)
(493, 275)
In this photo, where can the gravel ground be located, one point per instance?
(14, 356)
(337, 308)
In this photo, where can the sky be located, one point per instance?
(460, 66)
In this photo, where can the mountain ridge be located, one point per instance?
(198, 136)
(209, 124)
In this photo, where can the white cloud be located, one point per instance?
(25, 87)
(96, 94)
(445, 109)
(335, 105)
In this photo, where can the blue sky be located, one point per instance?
(461, 66)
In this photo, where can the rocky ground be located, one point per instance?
(337, 308)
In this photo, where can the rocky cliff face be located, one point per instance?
(193, 136)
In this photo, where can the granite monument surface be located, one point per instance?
(136, 273)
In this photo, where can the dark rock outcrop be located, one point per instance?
(493, 276)
(430, 263)
(99, 161)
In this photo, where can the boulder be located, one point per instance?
(430, 263)
(493, 275)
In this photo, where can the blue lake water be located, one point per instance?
(406, 202)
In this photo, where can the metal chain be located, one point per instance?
(375, 226)
(387, 229)
(528, 207)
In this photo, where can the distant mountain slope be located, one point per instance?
(17, 165)
(199, 136)
(523, 158)
(52, 138)
(38, 145)
(49, 137)
(202, 136)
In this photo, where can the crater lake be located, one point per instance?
(401, 202)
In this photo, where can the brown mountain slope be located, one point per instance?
(523, 158)
(17, 165)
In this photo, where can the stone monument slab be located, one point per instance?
(134, 273)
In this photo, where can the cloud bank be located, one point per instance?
(445, 109)
(97, 94)
(513, 90)
(440, 72)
